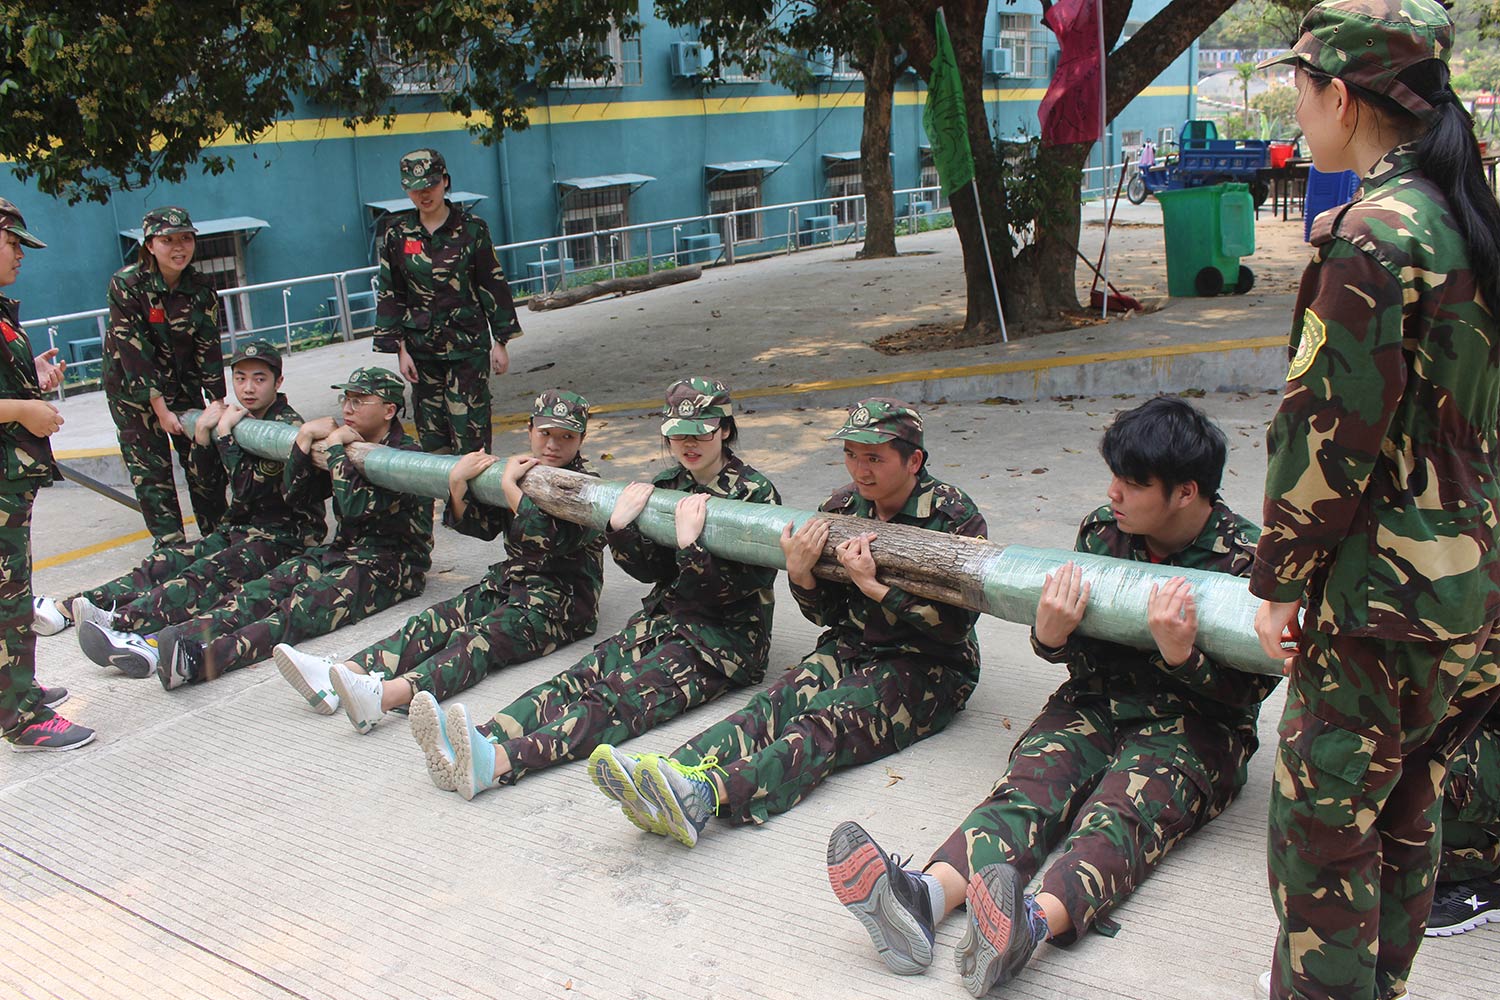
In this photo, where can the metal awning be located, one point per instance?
(631, 181)
(852, 154)
(738, 166)
(401, 204)
(211, 227)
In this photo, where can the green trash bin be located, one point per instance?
(1208, 230)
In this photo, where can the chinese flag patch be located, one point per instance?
(9, 331)
(157, 315)
(413, 247)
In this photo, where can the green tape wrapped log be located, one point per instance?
(1000, 580)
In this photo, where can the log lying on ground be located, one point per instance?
(1000, 580)
(623, 286)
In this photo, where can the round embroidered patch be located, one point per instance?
(860, 417)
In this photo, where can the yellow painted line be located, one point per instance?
(95, 549)
(66, 456)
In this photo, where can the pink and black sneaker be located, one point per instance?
(53, 735)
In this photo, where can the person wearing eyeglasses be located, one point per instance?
(162, 356)
(704, 629)
(542, 596)
(379, 555)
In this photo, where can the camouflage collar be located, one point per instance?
(10, 309)
(156, 283)
(1401, 160)
(723, 484)
(919, 505)
(454, 220)
(396, 435)
(1221, 522)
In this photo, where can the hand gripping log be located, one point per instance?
(992, 578)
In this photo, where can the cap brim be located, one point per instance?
(423, 184)
(565, 423)
(1289, 56)
(861, 436)
(351, 387)
(26, 238)
(680, 425)
(272, 363)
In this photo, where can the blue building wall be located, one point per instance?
(311, 179)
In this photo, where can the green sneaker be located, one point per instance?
(618, 774)
(683, 796)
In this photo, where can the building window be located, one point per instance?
(1165, 136)
(844, 68)
(220, 258)
(930, 180)
(844, 180)
(625, 52)
(589, 212)
(737, 190)
(1026, 39)
(408, 74)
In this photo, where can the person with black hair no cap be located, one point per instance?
(1382, 500)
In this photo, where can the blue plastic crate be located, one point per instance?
(1325, 191)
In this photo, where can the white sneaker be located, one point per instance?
(360, 696)
(85, 610)
(309, 675)
(46, 618)
(133, 655)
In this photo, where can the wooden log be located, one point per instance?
(611, 286)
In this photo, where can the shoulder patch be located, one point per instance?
(1314, 336)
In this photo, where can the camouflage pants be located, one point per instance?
(180, 581)
(306, 596)
(1353, 848)
(450, 403)
(1122, 792)
(820, 715)
(618, 691)
(20, 696)
(147, 451)
(452, 646)
(1471, 810)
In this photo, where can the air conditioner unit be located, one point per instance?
(690, 58)
(820, 63)
(997, 62)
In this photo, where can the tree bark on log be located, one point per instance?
(1001, 580)
(622, 286)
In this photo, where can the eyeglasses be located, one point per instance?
(693, 437)
(351, 403)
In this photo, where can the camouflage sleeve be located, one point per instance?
(204, 461)
(305, 482)
(943, 622)
(824, 604)
(229, 451)
(1214, 680)
(1347, 375)
(1052, 654)
(479, 520)
(492, 288)
(720, 581)
(390, 311)
(209, 352)
(354, 495)
(639, 556)
(131, 343)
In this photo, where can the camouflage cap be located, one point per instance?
(1369, 43)
(560, 408)
(11, 222)
(695, 406)
(878, 420)
(376, 382)
(166, 221)
(258, 350)
(422, 168)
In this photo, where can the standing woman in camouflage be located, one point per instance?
(704, 628)
(444, 309)
(1382, 500)
(162, 357)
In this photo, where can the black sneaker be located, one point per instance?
(1463, 906)
(54, 696)
(54, 735)
(1000, 934)
(181, 659)
(892, 903)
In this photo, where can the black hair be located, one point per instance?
(906, 449)
(1448, 154)
(1167, 440)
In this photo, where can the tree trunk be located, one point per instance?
(613, 286)
(875, 151)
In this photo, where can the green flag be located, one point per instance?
(944, 117)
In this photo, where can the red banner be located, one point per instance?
(1073, 110)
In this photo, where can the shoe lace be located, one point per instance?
(699, 772)
(56, 724)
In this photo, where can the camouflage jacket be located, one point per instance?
(442, 294)
(28, 458)
(373, 522)
(554, 566)
(160, 342)
(720, 607)
(258, 500)
(1138, 682)
(903, 626)
(1382, 484)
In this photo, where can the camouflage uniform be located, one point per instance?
(28, 467)
(1128, 756)
(541, 597)
(1381, 505)
(262, 527)
(379, 556)
(163, 342)
(881, 677)
(443, 295)
(1471, 807)
(704, 629)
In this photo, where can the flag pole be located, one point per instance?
(989, 262)
(1104, 158)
